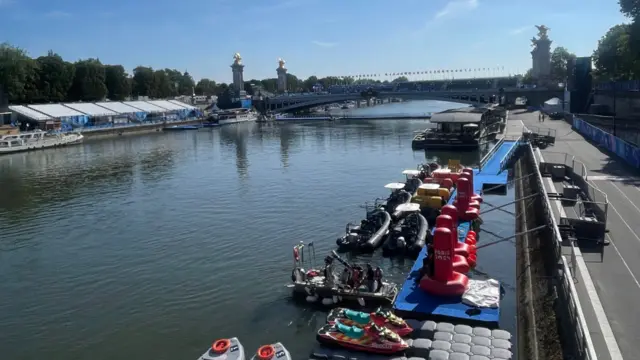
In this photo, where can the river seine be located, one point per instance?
(153, 246)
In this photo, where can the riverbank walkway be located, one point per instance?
(608, 288)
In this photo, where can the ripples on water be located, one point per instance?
(153, 246)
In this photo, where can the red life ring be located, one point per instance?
(265, 352)
(221, 346)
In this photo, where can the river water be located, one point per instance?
(153, 246)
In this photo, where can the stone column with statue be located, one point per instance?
(541, 56)
(282, 76)
(237, 68)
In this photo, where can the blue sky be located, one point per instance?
(315, 37)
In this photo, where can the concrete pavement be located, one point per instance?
(610, 297)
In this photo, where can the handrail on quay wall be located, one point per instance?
(565, 287)
(597, 202)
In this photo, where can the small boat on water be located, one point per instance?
(225, 349)
(369, 338)
(379, 317)
(181, 128)
(233, 116)
(325, 286)
(34, 140)
(408, 236)
(369, 234)
(232, 349)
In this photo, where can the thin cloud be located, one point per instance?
(456, 7)
(57, 14)
(520, 30)
(324, 44)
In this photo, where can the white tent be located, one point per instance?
(553, 105)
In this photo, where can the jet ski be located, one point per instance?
(225, 349)
(368, 235)
(379, 317)
(267, 352)
(369, 338)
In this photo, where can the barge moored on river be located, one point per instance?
(461, 129)
(38, 139)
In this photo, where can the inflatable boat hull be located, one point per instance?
(379, 236)
(413, 244)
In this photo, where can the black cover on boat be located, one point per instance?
(396, 198)
(369, 235)
(414, 229)
(412, 185)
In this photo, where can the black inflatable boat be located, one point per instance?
(396, 199)
(367, 236)
(407, 237)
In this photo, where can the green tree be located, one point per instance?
(310, 83)
(270, 85)
(400, 79)
(89, 81)
(225, 99)
(55, 77)
(527, 79)
(142, 82)
(206, 87)
(161, 87)
(630, 8)
(18, 74)
(248, 88)
(560, 57)
(117, 82)
(613, 58)
(186, 85)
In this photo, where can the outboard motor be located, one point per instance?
(401, 244)
(298, 275)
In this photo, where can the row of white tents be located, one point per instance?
(45, 112)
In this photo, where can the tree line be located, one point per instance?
(50, 78)
(617, 56)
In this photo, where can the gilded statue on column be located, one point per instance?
(237, 59)
(281, 63)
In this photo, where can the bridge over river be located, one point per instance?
(293, 103)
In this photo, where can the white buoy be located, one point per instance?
(335, 299)
(327, 301)
(312, 298)
(361, 301)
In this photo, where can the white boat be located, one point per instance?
(236, 116)
(38, 139)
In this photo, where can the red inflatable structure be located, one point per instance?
(468, 173)
(469, 252)
(467, 210)
(452, 211)
(445, 281)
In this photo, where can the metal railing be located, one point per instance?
(495, 148)
(509, 155)
(596, 199)
(566, 290)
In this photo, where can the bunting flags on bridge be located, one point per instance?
(437, 74)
